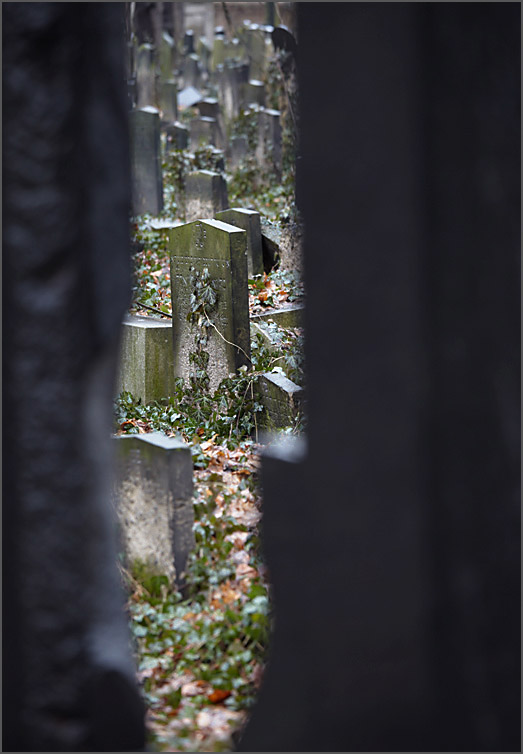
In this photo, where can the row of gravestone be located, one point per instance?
(220, 253)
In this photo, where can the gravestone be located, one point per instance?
(230, 82)
(255, 45)
(69, 678)
(188, 42)
(413, 377)
(210, 108)
(269, 147)
(166, 57)
(238, 150)
(254, 93)
(168, 101)
(219, 52)
(192, 72)
(202, 132)
(146, 89)
(146, 358)
(146, 166)
(205, 194)
(288, 316)
(249, 221)
(153, 497)
(177, 136)
(282, 401)
(215, 254)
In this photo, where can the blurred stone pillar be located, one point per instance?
(69, 679)
(392, 535)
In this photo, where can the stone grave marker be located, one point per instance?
(269, 147)
(238, 150)
(214, 253)
(146, 358)
(192, 72)
(282, 401)
(177, 136)
(202, 131)
(153, 498)
(166, 56)
(255, 45)
(210, 108)
(205, 194)
(254, 92)
(249, 221)
(168, 98)
(188, 42)
(146, 94)
(230, 81)
(146, 167)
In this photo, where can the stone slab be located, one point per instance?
(218, 250)
(146, 358)
(249, 221)
(290, 316)
(282, 401)
(146, 167)
(205, 194)
(153, 495)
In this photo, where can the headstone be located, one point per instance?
(413, 379)
(146, 93)
(146, 357)
(288, 316)
(230, 84)
(146, 167)
(219, 52)
(255, 44)
(69, 678)
(168, 101)
(214, 254)
(269, 147)
(282, 401)
(202, 132)
(238, 150)
(153, 496)
(166, 57)
(205, 194)
(188, 42)
(249, 221)
(177, 136)
(192, 72)
(254, 92)
(210, 108)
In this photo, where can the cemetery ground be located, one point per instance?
(201, 654)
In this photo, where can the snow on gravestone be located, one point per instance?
(215, 254)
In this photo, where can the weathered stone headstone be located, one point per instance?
(202, 131)
(249, 221)
(211, 254)
(166, 57)
(146, 358)
(192, 72)
(282, 401)
(168, 101)
(146, 166)
(269, 147)
(146, 87)
(288, 316)
(188, 42)
(219, 52)
(230, 82)
(238, 150)
(254, 93)
(255, 45)
(177, 136)
(205, 194)
(153, 499)
(69, 679)
(210, 108)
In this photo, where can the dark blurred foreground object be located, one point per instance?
(68, 677)
(393, 537)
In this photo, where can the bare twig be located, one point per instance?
(158, 311)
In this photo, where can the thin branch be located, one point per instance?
(158, 311)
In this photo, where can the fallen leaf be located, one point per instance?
(218, 695)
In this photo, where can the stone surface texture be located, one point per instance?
(153, 499)
(146, 358)
(221, 249)
(146, 166)
(249, 221)
(205, 194)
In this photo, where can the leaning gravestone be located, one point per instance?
(153, 500)
(249, 221)
(146, 167)
(282, 401)
(205, 194)
(209, 300)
